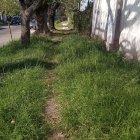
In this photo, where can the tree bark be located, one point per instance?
(26, 12)
(25, 28)
(51, 22)
(51, 14)
(46, 28)
(40, 20)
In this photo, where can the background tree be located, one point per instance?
(28, 7)
(51, 13)
(10, 6)
(45, 16)
(42, 19)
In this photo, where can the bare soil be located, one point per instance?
(52, 113)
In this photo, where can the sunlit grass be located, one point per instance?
(23, 89)
(63, 25)
(99, 92)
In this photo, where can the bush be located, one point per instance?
(83, 22)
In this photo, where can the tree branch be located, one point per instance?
(33, 7)
(22, 4)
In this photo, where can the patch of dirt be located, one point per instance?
(57, 136)
(52, 114)
(52, 110)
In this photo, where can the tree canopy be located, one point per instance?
(10, 6)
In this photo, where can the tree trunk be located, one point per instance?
(51, 14)
(46, 28)
(51, 20)
(25, 29)
(40, 20)
(27, 9)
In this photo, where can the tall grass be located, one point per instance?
(23, 90)
(99, 92)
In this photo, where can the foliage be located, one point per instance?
(70, 4)
(10, 6)
(98, 92)
(83, 22)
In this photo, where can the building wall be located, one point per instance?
(104, 23)
(130, 29)
(104, 19)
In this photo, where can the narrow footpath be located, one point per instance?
(52, 113)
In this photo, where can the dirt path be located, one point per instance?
(52, 110)
(52, 113)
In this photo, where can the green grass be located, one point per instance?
(99, 92)
(59, 25)
(23, 89)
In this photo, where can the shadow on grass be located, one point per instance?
(28, 63)
(36, 42)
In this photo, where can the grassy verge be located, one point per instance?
(99, 92)
(23, 90)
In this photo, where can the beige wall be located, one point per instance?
(104, 22)
(104, 19)
(130, 29)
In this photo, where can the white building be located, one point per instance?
(117, 22)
